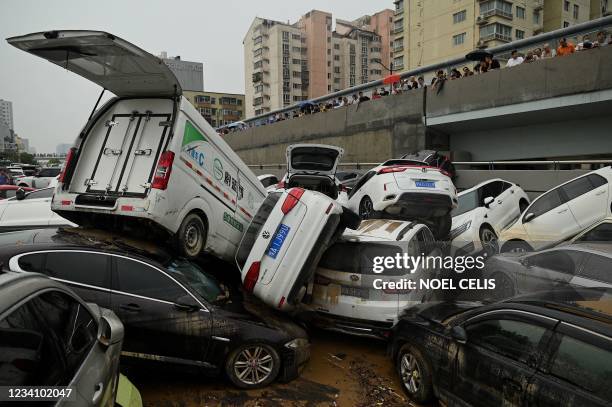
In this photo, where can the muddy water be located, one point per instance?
(343, 371)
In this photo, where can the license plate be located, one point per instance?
(277, 240)
(355, 292)
(425, 184)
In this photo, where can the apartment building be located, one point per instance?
(189, 74)
(427, 32)
(564, 13)
(216, 107)
(6, 113)
(288, 63)
(600, 8)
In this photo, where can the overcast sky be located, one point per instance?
(50, 105)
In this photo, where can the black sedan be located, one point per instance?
(545, 349)
(172, 310)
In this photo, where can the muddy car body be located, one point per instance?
(523, 351)
(344, 295)
(172, 310)
(282, 246)
(146, 159)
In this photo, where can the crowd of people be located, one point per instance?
(487, 63)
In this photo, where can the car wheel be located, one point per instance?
(191, 236)
(253, 365)
(504, 288)
(442, 226)
(415, 374)
(488, 240)
(523, 204)
(516, 246)
(350, 219)
(366, 208)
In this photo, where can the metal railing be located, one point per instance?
(583, 28)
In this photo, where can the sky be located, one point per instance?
(50, 105)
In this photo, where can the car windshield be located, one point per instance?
(467, 202)
(206, 286)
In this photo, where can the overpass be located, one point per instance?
(554, 108)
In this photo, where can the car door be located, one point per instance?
(595, 272)
(34, 210)
(578, 371)
(494, 366)
(497, 210)
(587, 198)
(552, 268)
(144, 297)
(552, 220)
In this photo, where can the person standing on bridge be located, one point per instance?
(565, 48)
(514, 60)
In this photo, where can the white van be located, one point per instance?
(147, 155)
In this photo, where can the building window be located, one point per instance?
(459, 17)
(398, 62)
(336, 57)
(336, 69)
(286, 48)
(336, 46)
(286, 98)
(520, 12)
(295, 36)
(257, 52)
(576, 11)
(519, 34)
(297, 49)
(258, 40)
(257, 64)
(536, 18)
(496, 31)
(566, 24)
(258, 88)
(493, 7)
(297, 74)
(458, 39)
(285, 35)
(566, 5)
(257, 101)
(296, 61)
(297, 86)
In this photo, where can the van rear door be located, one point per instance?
(103, 58)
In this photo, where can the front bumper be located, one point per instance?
(294, 361)
(351, 326)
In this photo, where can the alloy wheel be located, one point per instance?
(489, 242)
(410, 372)
(253, 365)
(366, 208)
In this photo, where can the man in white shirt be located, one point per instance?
(516, 59)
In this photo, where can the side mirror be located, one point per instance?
(20, 194)
(458, 334)
(488, 201)
(186, 303)
(110, 330)
(528, 217)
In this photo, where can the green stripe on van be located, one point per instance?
(192, 134)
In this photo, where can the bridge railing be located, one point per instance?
(552, 37)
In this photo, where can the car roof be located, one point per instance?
(383, 229)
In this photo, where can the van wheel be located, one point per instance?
(253, 365)
(350, 219)
(366, 208)
(191, 236)
(442, 226)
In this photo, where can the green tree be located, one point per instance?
(54, 161)
(27, 158)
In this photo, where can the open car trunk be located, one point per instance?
(313, 167)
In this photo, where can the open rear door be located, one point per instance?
(107, 60)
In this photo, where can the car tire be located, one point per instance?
(415, 374)
(366, 208)
(504, 288)
(523, 204)
(442, 226)
(350, 219)
(488, 240)
(516, 246)
(266, 363)
(191, 236)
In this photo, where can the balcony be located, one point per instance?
(538, 5)
(399, 11)
(481, 20)
(497, 12)
(496, 36)
(397, 30)
(398, 48)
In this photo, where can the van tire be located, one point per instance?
(350, 219)
(191, 236)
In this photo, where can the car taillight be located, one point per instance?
(392, 169)
(67, 163)
(293, 197)
(163, 170)
(251, 277)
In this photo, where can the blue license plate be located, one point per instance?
(277, 240)
(425, 184)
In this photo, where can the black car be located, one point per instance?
(544, 349)
(172, 310)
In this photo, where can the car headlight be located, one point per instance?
(459, 230)
(297, 343)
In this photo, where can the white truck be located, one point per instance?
(147, 159)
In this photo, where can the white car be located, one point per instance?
(483, 211)
(598, 233)
(30, 210)
(43, 179)
(407, 190)
(561, 213)
(147, 160)
(284, 242)
(344, 297)
(269, 181)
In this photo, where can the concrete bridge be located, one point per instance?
(557, 108)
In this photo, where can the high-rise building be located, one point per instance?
(62, 148)
(288, 63)
(427, 32)
(565, 13)
(600, 8)
(189, 74)
(218, 108)
(6, 113)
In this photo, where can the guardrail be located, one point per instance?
(583, 28)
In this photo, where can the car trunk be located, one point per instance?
(313, 167)
(120, 150)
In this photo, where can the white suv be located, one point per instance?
(284, 242)
(407, 190)
(561, 213)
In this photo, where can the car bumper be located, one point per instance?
(294, 361)
(424, 204)
(352, 326)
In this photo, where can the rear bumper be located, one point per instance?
(421, 204)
